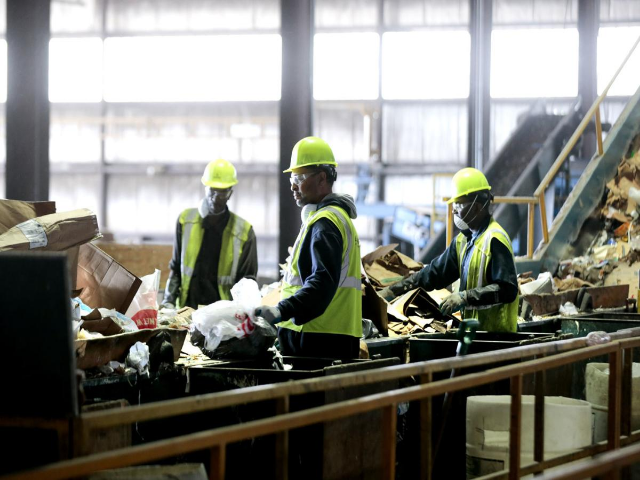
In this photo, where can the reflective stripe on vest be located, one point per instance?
(344, 313)
(495, 318)
(234, 236)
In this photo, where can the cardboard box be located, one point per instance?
(56, 232)
(104, 282)
(13, 212)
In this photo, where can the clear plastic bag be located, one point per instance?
(228, 319)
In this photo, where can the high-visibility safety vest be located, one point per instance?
(234, 236)
(344, 314)
(496, 318)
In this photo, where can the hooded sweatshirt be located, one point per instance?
(319, 264)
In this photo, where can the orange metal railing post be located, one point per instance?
(515, 427)
(449, 223)
(389, 422)
(530, 228)
(217, 463)
(599, 132)
(615, 397)
(543, 218)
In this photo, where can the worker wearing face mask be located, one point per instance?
(214, 248)
(480, 256)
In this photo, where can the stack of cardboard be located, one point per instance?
(418, 311)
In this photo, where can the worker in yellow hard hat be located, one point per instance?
(214, 248)
(320, 311)
(481, 257)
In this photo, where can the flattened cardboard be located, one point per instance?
(416, 301)
(55, 232)
(105, 283)
(386, 266)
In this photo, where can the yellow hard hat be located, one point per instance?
(311, 151)
(219, 174)
(466, 181)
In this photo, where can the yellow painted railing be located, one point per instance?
(538, 196)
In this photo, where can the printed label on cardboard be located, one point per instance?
(34, 232)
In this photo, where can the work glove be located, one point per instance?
(271, 315)
(453, 303)
(386, 294)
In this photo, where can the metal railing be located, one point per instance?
(538, 196)
(547, 356)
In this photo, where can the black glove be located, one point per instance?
(453, 303)
(271, 315)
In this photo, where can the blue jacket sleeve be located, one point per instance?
(440, 273)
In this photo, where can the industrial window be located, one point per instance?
(613, 46)
(425, 65)
(207, 68)
(75, 70)
(345, 66)
(531, 63)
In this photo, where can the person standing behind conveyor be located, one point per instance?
(480, 256)
(214, 248)
(320, 311)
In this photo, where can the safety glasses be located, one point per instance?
(298, 179)
(219, 193)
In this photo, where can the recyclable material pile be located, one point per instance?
(417, 311)
(606, 275)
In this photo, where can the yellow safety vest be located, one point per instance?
(234, 237)
(497, 318)
(344, 314)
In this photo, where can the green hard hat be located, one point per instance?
(466, 181)
(311, 151)
(219, 174)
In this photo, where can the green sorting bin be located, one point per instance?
(431, 346)
(388, 347)
(337, 449)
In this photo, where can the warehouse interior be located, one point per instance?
(118, 106)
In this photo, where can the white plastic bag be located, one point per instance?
(144, 307)
(227, 319)
(138, 357)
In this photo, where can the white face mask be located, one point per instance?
(461, 223)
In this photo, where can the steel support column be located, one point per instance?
(296, 105)
(588, 25)
(479, 94)
(27, 117)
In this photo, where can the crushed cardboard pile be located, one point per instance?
(418, 311)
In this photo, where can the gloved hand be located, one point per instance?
(386, 294)
(271, 315)
(168, 306)
(453, 303)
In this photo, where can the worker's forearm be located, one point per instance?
(492, 294)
